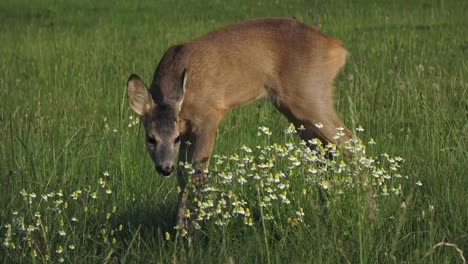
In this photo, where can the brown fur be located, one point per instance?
(292, 63)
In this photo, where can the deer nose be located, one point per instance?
(166, 170)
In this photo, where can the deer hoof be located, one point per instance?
(199, 179)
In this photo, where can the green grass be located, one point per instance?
(63, 69)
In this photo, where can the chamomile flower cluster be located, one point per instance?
(132, 122)
(271, 182)
(52, 225)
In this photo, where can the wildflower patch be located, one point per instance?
(275, 182)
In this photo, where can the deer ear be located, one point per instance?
(138, 96)
(176, 97)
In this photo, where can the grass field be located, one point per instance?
(77, 186)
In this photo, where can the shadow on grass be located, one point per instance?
(150, 220)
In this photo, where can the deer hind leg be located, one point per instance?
(316, 114)
(305, 96)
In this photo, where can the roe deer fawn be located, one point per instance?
(195, 83)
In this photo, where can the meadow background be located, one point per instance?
(71, 153)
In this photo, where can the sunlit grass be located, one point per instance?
(65, 124)
(274, 189)
(58, 226)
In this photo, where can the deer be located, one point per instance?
(197, 82)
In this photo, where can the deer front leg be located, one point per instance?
(185, 154)
(196, 147)
(204, 141)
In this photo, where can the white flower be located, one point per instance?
(300, 213)
(291, 129)
(241, 180)
(325, 184)
(59, 249)
(420, 68)
(246, 149)
(265, 130)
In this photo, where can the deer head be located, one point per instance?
(160, 118)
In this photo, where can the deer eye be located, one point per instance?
(151, 140)
(177, 140)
